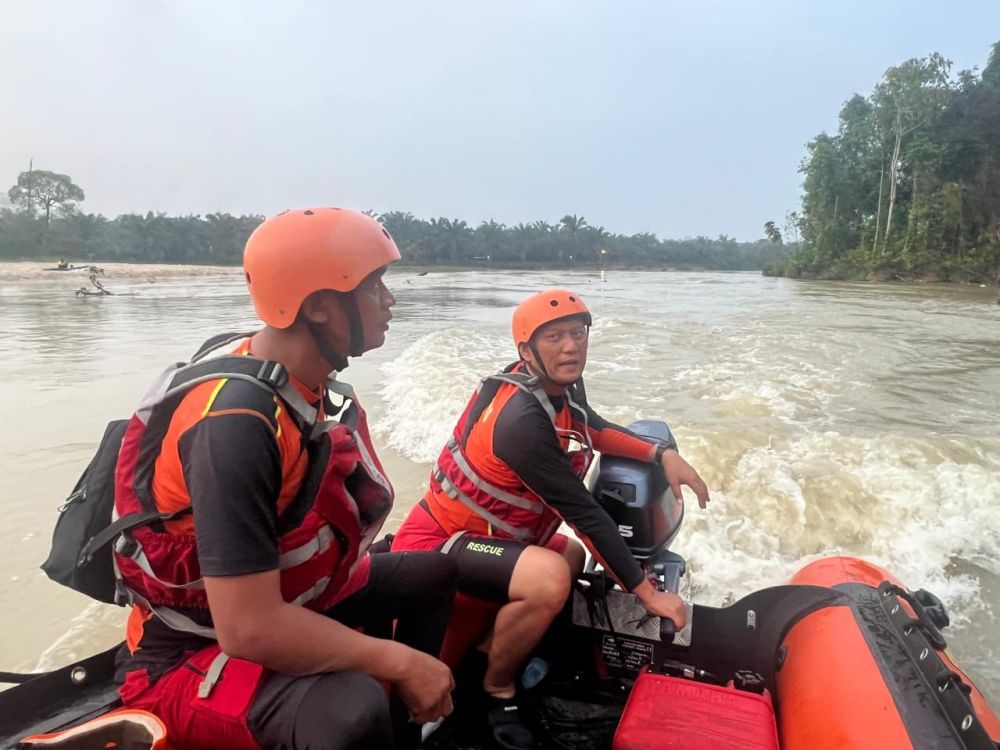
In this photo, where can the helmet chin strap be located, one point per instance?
(356, 347)
(350, 307)
(540, 366)
(337, 360)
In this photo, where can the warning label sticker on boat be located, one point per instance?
(626, 653)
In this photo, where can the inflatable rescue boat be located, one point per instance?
(842, 657)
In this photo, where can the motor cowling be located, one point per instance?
(637, 497)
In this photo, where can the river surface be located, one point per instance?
(825, 417)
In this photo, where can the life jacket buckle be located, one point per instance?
(126, 546)
(273, 373)
(212, 675)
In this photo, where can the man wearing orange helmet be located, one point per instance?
(260, 473)
(511, 473)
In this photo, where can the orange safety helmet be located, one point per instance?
(544, 308)
(305, 250)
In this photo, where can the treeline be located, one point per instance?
(571, 242)
(909, 186)
(215, 239)
(219, 239)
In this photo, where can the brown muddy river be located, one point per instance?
(825, 417)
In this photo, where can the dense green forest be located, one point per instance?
(909, 186)
(49, 225)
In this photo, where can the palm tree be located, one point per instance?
(572, 223)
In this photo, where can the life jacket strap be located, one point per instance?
(127, 546)
(492, 490)
(212, 674)
(170, 617)
(529, 384)
(131, 548)
(452, 541)
(585, 435)
(314, 592)
(121, 525)
(522, 535)
(315, 546)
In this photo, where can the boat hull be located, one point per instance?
(853, 677)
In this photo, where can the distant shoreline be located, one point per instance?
(32, 270)
(24, 270)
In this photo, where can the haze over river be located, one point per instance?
(825, 417)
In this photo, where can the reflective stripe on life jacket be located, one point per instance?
(158, 569)
(459, 479)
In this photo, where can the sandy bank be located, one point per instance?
(34, 270)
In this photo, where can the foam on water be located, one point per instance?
(908, 504)
(784, 492)
(78, 642)
(430, 383)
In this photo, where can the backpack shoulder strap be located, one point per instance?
(267, 374)
(125, 523)
(217, 342)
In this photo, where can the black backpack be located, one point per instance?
(81, 554)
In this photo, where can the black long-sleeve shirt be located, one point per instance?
(525, 439)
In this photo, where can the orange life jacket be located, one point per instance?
(471, 489)
(157, 565)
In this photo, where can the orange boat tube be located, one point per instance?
(874, 674)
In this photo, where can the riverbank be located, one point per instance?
(981, 268)
(16, 271)
(28, 270)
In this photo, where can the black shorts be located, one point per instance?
(486, 563)
(350, 710)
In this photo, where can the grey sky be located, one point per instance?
(678, 118)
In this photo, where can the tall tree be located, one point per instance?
(910, 97)
(38, 188)
(910, 183)
(991, 73)
(772, 233)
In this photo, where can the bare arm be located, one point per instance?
(253, 622)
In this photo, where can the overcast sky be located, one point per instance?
(680, 118)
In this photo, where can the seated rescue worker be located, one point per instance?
(511, 473)
(258, 618)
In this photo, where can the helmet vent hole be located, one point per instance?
(248, 278)
(387, 236)
(308, 212)
(572, 299)
(554, 302)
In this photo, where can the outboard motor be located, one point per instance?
(637, 497)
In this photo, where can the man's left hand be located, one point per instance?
(680, 472)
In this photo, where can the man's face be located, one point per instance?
(374, 302)
(562, 348)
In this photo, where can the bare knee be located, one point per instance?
(541, 577)
(575, 556)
